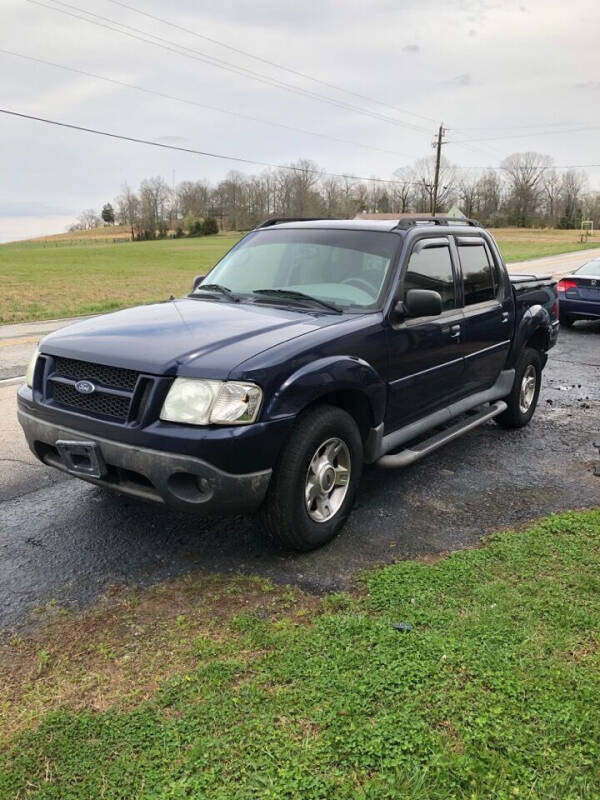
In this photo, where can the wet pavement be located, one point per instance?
(65, 541)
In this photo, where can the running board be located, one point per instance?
(417, 451)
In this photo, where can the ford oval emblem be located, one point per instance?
(85, 387)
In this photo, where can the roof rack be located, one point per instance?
(410, 222)
(268, 223)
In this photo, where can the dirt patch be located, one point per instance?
(120, 653)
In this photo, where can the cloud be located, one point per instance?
(411, 48)
(594, 85)
(459, 80)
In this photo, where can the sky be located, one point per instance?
(504, 76)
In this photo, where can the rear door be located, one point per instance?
(488, 313)
(425, 361)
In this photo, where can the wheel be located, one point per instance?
(315, 479)
(525, 392)
(566, 321)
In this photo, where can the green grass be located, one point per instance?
(64, 278)
(494, 693)
(46, 280)
(523, 250)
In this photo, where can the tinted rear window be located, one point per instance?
(478, 274)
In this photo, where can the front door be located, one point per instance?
(425, 359)
(488, 310)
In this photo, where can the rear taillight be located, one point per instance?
(565, 285)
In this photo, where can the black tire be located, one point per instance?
(566, 321)
(284, 513)
(515, 416)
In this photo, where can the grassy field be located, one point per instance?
(226, 688)
(86, 273)
(521, 244)
(46, 280)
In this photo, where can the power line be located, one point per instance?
(527, 135)
(552, 166)
(189, 150)
(199, 105)
(270, 63)
(196, 55)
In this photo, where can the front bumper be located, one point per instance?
(182, 482)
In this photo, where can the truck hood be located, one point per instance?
(199, 338)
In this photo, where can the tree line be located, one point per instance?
(526, 191)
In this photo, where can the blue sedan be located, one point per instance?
(579, 293)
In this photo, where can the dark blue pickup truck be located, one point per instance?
(311, 348)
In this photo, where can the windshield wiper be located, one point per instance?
(215, 287)
(294, 295)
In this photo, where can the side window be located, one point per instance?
(431, 268)
(480, 279)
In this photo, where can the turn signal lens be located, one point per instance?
(31, 369)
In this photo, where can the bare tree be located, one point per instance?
(193, 197)
(155, 197)
(468, 193)
(551, 193)
(128, 209)
(525, 173)
(572, 186)
(403, 190)
(424, 181)
(490, 193)
(86, 221)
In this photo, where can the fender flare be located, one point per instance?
(536, 318)
(325, 376)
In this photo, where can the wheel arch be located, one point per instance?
(347, 382)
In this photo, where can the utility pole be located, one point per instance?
(438, 142)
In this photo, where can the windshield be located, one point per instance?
(343, 267)
(591, 268)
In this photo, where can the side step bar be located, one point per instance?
(417, 451)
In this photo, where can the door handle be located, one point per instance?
(455, 331)
(505, 316)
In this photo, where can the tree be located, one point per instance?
(490, 191)
(468, 193)
(551, 193)
(424, 180)
(87, 221)
(403, 190)
(108, 214)
(155, 197)
(128, 210)
(525, 172)
(571, 187)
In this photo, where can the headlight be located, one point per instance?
(31, 369)
(204, 402)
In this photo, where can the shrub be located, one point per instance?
(210, 226)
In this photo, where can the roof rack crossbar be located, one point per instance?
(268, 223)
(411, 222)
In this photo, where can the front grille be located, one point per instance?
(115, 377)
(98, 403)
(115, 388)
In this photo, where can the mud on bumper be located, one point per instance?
(181, 482)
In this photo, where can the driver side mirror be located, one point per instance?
(420, 303)
(197, 281)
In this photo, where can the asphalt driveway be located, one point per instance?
(63, 541)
